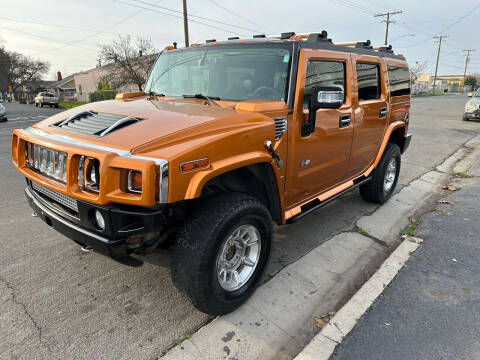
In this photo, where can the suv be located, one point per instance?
(228, 137)
(45, 98)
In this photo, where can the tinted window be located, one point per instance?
(368, 81)
(399, 78)
(323, 73)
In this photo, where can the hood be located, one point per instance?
(159, 119)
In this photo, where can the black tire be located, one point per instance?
(56, 106)
(374, 190)
(41, 105)
(199, 242)
(36, 104)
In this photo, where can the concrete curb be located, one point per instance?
(323, 344)
(277, 322)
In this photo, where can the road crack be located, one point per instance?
(15, 299)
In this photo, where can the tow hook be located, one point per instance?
(275, 156)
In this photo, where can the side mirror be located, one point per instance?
(323, 97)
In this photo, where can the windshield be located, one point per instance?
(477, 94)
(228, 73)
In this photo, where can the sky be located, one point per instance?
(68, 33)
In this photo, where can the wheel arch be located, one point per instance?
(256, 179)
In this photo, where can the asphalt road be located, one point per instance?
(431, 309)
(56, 301)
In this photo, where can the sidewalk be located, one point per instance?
(431, 310)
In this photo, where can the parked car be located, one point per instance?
(228, 137)
(3, 113)
(45, 98)
(472, 107)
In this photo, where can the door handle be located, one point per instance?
(383, 112)
(344, 120)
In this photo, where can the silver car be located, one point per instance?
(3, 113)
(472, 107)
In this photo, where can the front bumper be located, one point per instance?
(120, 225)
(472, 115)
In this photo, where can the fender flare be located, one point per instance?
(391, 128)
(198, 181)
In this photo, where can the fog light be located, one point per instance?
(99, 220)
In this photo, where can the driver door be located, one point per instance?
(318, 162)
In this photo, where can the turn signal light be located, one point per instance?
(194, 165)
(135, 181)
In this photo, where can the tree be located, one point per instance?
(470, 81)
(4, 65)
(416, 70)
(130, 63)
(22, 69)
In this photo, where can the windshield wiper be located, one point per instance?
(154, 94)
(210, 99)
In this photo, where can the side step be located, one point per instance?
(317, 204)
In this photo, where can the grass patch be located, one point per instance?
(69, 105)
(410, 229)
(364, 233)
(464, 175)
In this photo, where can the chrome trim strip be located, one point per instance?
(75, 116)
(162, 163)
(63, 221)
(118, 123)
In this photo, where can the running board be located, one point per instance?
(319, 204)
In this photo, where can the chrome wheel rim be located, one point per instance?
(390, 175)
(238, 257)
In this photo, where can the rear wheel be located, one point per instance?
(221, 252)
(41, 104)
(385, 176)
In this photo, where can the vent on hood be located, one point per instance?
(96, 123)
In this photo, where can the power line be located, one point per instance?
(463, 17)
(92, 35)
(388, 21)
(235, 14)
(178, 17)
(195, 16)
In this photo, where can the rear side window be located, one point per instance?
(323, 73)
(399, 78)
(368, 79)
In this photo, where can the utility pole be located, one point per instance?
(388, 21)
(185, 23)
(440, 39)
(467, 59)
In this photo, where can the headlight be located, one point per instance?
(89, 174)
(48, 162)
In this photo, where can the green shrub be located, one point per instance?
(101, 95)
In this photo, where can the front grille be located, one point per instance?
(96, 123)
(61, 199)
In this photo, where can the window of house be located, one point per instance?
(399, 78)
(323, 73)
(368, 79)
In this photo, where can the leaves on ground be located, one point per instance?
(449, 188)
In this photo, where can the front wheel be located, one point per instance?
(385, 176)
(221, 252)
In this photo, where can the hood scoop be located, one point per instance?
(96, 123)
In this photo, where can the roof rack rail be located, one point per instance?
(385, 49)
(234, 38)
(323, 36)
(364, 45)
(210, 40)
(287, 35)
(259, 36)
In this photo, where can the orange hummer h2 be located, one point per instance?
(228, 137)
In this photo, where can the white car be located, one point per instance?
(45, 98)
(3, 113)
(472, 107)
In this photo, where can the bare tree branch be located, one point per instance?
(130, 62)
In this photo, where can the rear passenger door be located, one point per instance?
(370, 112)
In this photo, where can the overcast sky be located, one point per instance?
(66, 33)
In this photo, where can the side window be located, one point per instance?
(322, 73)
(399, 78)
(368, 81)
